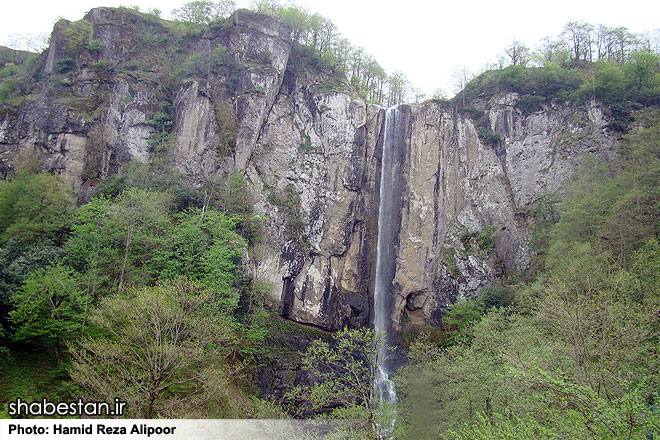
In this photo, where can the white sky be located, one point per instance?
(427, 40)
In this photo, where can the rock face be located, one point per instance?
(310, 152)
(459, 187)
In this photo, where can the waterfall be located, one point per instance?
(385, 258)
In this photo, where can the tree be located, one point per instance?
(398, 88)
(162, 349)
(35, 207)
(518, 53)
(162, 124)
(461, 77)
(579, 36)
(344, 370)
(439, 94)
(205, 247)
(51, 307)
(114, 241)
(204, 11)
(299, 20)
(643, 75)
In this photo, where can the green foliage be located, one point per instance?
(163, 350)
(643, 77)
(50, 307)
(152, 177)
(219, 56)
(618, 82)
(34, 207)
(609, 83)
(33, 375)
(161, 123)
(113, 242)
(534, 84)
(205, 247)
(18, 259)
(449, 259)
(345, 368)
(482, 124)
(529, 104)
(204, 11)
(65, 65)
(463, 314)
(484, 239)
(195, 65)
(76, 36)
(94, 45)
(227, 129)
(488, 136)
(306, 141)
(8, 70)
(7, 89)
(288, 202)
(498, 427)
(230, 195)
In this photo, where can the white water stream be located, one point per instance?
(385, 260)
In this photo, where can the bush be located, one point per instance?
(516, 79)
(529, 104)
(609, 84)
(494, 296)
(8, 70)
(76, 36)
(195, 65)
(65, 65)
(488, 136)
(555, 82)
(7, 88)
(94, 45)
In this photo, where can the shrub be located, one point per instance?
(515, 79)
(94, 45)
(7, 88)
(8, 70)
(530, 104)
(76, 36)
(488, 136)
(65, 65)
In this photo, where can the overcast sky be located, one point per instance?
(427, 40)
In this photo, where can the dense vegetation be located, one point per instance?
(152, 247)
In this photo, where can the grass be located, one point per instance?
(33, 374)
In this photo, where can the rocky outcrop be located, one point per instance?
(241, 98)
(460, 188)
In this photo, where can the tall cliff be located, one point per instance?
(240, 97)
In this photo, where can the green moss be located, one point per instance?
(449, 259)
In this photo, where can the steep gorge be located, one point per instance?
(311, 153)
